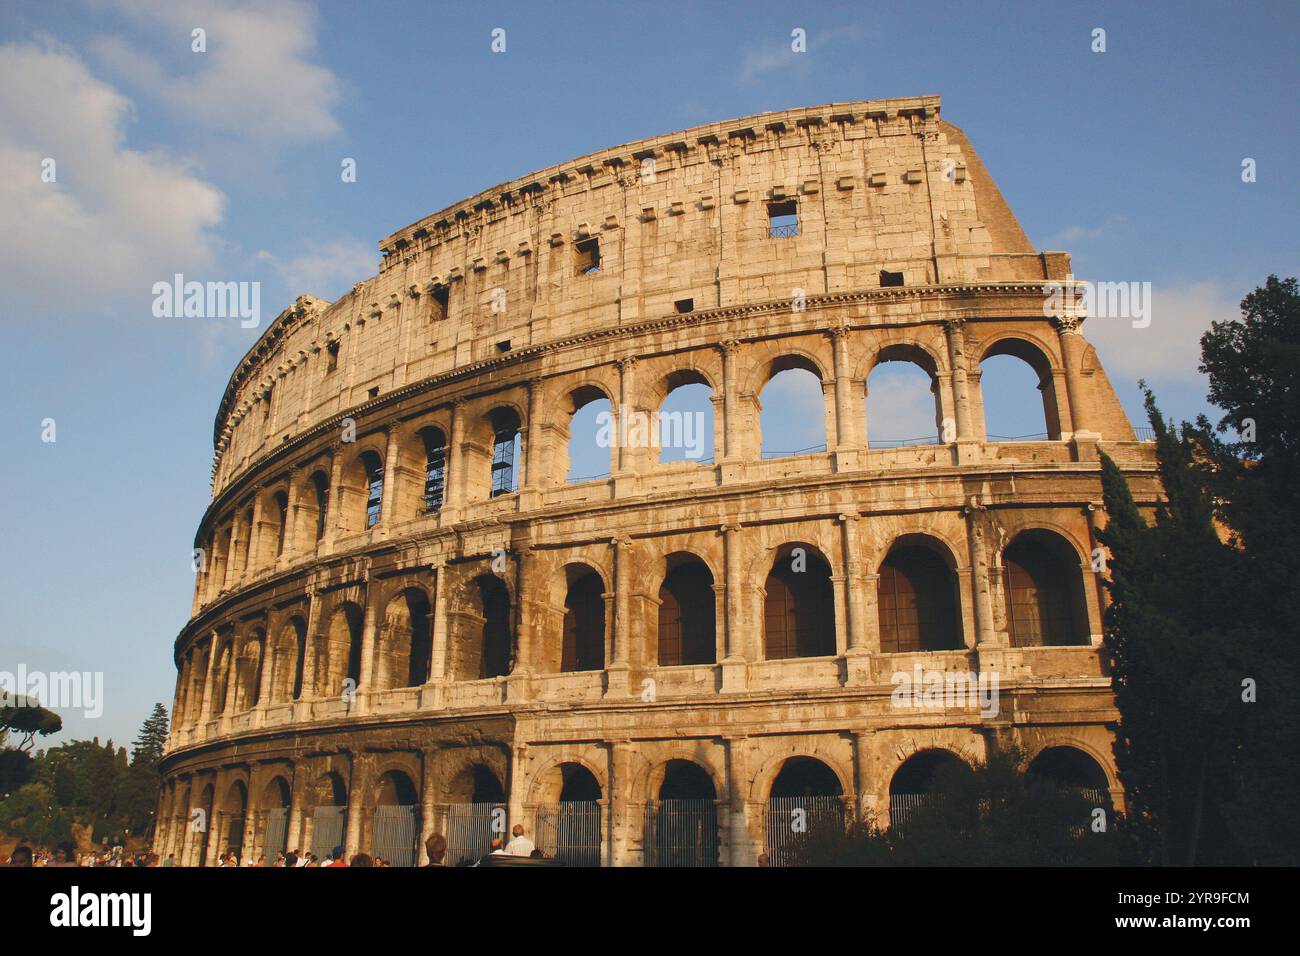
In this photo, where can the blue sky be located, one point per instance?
(225, 165)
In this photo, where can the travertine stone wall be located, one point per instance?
(261, 709)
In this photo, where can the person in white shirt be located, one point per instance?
(520, 845)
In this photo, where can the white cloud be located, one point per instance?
(1170, 348)
(115, 219)
(326, 269)
(256, 79)
(900, 404)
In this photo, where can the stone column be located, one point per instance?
(266, 675)
(967, 439)
(454, 482)
(518, 683)
(866, 798)
(845, 432)
(433, 694)
(617, 672)
(533, 478)
(628, 460)
(357, 787)
(216, 819)
(730, 407)
(734, 664)
(1073, 348)
(290, 519)
(741, 849)
(620, 799)
(335, 502)
(391, 449)
(428, 803)
(210, 705)
(857, 657)
(302, 707)
(232, 673)
(990, 645)
(369, 627)
(293, 825)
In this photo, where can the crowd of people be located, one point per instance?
(65, 854)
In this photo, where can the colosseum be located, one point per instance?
(407, 618)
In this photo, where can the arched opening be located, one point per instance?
(799, 607)
(917, 600)
(320, 486)
(793, 416)
(248, 672)
(687, 614)
(435, 468)
(1069, 768)
(568, 828)
(475, 813)
(234, 812)
(342, 652)
(405, 641)
(903, 400)
(506, 446)
(281, 500)
(329, 818)
(591, 437)
(922, 781)
(290, 657)
(275, 811)
(483, 646)
(1044, 591)
(373, 467)
(583, 643)
(683, 426)
(1018, 393)
(806, 801)
(396, 819)
(682, 823)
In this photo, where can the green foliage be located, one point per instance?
(82, 781)
(24, 716)
(1194, 620)
(992, 815)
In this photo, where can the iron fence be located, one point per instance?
(470, 828)
(277, 831)
(395, 834)
(681, 833)
(793, 820)
(570, 832)
(328, 824)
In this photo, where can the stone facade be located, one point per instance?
(376, 625)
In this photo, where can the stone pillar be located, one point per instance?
(620, 799)
(433, 694)
(216, 820)
(454, 483)
(987, 641)
(857, 656)
(518, 683)
(266, 675)
(846, 440)
(232, 568)
(866, 798)
(1096, 597)
(734, 664)
(290, 519)
(293, 825)
(335, 502)
(302, 707)
(428, 804)
(232, 672)
(211, 706)
(967, 438)
(730, 407)
(357, 787)
(1073, 348)
(391, 448)
(533, 478)
(369, 628)
(515, 795)
(741, 848)
(627, 460)
(617, 672)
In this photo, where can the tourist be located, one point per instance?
(496, 848)
(65, 854)
(361, 859)
(436, 847)
(336, 857)
(291, 859)
(22, 856)
(169, 861)
(520, 845)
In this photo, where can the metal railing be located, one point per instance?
(570, 832)
(470, 828)
(328, 824)
(395, 834)
(784, 230)
(903, 442)
(277, 832)
(792, 820)
(811, 449)
(681, 833)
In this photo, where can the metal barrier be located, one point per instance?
(681, 833)
(277, 832)
(791, 820)
(328, 824)
(570, 832)
(470, 828)
(395, 833)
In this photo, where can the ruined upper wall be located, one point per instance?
(880, 186)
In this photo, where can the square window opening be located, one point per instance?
(783, 219)
(587, 256)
